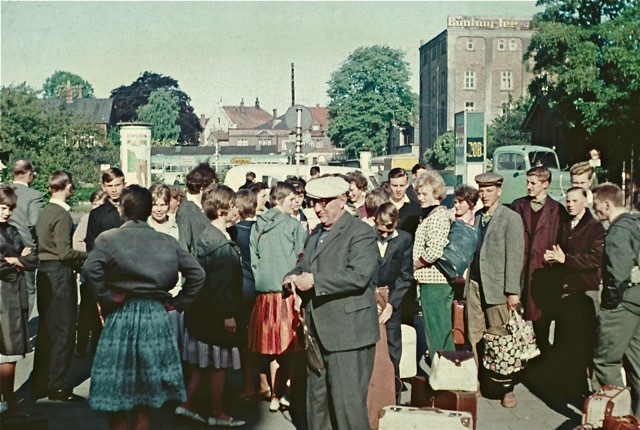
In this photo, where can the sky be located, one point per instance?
(225, 50)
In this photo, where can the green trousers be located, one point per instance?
(436, 301)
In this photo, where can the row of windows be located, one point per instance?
(502, 45)
(506, 80)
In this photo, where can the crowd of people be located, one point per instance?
(177, 285)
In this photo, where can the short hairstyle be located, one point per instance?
(315, 170)
(177, 193)
(375, 198)
(279, 191)
(611, 192)
(582, 168)
(543, 173)
(434, 179)
(299, 185)
(22, 166)
(110, 174)
(58, 180)
(250, 176)
(397, 172)
(417, 167)
(200, 177)
(160, 191)
(359, 179)
(246, 202)
(135, 203)
(387, 215)
(97, 195)
(468, 194)
(8, 196)
(580, 189)
(217, 198)
(256, 187)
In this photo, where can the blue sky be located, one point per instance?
(225, 50)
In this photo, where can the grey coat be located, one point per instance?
(501, 255)
(26, 213)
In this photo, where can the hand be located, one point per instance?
(304, 281)
(417, 265)
(386, 314)
(169, 307)
(14, 262)
(555, 255)
(25, 252)
(513, 301)
(230, 325)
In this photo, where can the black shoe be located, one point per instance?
(65, 396)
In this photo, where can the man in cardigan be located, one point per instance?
(57, 293)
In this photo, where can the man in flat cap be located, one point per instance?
(493, 287)
(340, 308)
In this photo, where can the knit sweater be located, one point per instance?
(431, 238)
(55, 230)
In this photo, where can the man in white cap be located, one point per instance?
(340, 309)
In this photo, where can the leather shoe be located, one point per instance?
(65, 396)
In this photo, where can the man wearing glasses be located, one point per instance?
(340, 309)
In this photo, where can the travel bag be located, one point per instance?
(628, 422)
(410, 418)
(454, 370)
(609, 401)
(457, 320)
(461, 401)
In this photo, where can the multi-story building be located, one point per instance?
(475, 64)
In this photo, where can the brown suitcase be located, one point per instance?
(461, 401)
(457, 320)
(628, 422)
(609, 401)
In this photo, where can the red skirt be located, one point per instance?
(273, 329)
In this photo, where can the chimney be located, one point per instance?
(242, 105)
(275, 113)
(69, 92)
(257, 103)
(80, 91)
(203, 122)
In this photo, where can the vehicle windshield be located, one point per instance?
(543, 158)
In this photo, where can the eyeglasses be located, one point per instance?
(322, 202)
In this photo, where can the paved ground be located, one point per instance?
(531, 412)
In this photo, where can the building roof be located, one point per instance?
(247, 116)
(97, 111)
(319, 115)
(210, 150)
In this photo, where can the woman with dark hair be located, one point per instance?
(137, 364)
(15, 258)
(215, 323)
(465, 199)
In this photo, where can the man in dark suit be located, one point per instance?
(25, 215)
(416, 171)
(333, 278)
(493, 287)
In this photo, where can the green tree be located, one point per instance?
(55, 85)
(506, 129)
(54, 139)
(442, 155)
(586, 61)
(128, 99)
(162, 112)
(367, 93)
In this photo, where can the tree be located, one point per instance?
(53, 139)
(367, 93)
(55, 85)
(442, 155)
(162, 112)
(128, 99)
(506, 129)
(586, 57)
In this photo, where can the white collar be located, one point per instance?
(61, 203)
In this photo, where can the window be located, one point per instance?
(510, 161)
(469, 105)
(502, 44)
(469, 80)
(443, 47)
(243, 142)
(264, 142)
(513, 45)
(434, 90)
(506, 81)
(469, 44)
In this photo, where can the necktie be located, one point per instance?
(536, 205)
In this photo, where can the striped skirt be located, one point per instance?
(204, 355)
(273, 329)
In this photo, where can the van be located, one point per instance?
(270, 174)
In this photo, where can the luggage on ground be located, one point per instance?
(410, 418)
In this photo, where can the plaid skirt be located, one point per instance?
(273, 329)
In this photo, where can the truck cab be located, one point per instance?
(513, 162)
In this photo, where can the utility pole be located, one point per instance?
(293, 87)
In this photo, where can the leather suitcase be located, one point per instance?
(461, 401)
(628, 422)
(457, 320)
(409, 418)
(609, 401)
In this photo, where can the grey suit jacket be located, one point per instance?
(25, 215)
(501, 255)
(341, 308)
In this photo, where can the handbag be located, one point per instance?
(454, 370)
(458, 253)
(508, 347)
(311, 349)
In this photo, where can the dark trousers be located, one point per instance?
(57, 305)
(88, 320)
(337, 395)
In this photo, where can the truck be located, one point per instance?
(513, 162)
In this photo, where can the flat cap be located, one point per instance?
(327, 187)
(488, 179)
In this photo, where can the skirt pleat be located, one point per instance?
(273, 329)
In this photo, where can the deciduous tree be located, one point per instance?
(442, 155)
(506, 129)
(56, 85)
(368, 92)
(162, 112)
